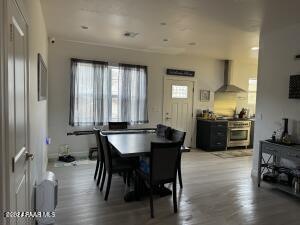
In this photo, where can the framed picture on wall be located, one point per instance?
(42, 79)
(204, 95)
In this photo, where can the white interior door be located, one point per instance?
(178, 106)
(18, 112)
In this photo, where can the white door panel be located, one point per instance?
(18, 112)
(178, 106)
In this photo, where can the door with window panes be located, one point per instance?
(178, 106)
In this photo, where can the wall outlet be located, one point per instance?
(48, 141)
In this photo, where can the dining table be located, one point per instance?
(134, 144)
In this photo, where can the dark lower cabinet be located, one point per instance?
(211, 135)
(252, 134)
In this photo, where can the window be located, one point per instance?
(252, 91)
(102, 93)
(179, 91)
(115, 81)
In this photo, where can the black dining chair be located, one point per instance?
(100, 157)
(114, 165)
(178, 136)
(160, 171)
(117, 125)
(163, 130)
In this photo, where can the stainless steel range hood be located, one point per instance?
(227, 87)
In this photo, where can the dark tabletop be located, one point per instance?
(136, 144)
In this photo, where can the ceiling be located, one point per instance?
(223, 29)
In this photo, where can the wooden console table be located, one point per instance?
(275, 152)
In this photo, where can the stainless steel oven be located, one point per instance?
(238, 133)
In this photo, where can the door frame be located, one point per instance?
(178, 78)
(4, 175)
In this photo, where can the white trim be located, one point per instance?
(254, 173)
(2, 118)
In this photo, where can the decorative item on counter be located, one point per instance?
(285, 132)
(199, 113)
(208, 115)
(205, 114)
(235, 114)
(274, 136)
(287, 139)
(278, 135)
(243, 113)
(281, 135)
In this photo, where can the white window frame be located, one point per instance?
(114, 96)
(252, 91)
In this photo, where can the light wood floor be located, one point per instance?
(216, 192)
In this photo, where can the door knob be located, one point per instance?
(29, 155)
(168, 118)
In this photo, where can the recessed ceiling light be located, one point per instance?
(165, 40)
(255, 48)
(130, 34)
(192, 43)
(163, 23)
(84, 27)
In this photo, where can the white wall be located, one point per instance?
(276, 64)
(209, 75)
(38, 43)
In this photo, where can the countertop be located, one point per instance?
(225, 120)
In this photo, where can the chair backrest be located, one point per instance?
(99, 144)
(106, 151)
(117, 125)
(164, 161)
(163, 130)
(177, 136)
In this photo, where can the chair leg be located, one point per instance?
(179, 172)
(108, 186)
(100, 173)
(151, 202)
(136, 187)
(124, 177)
(174, 197)
(179, 176)
(103, 179)
(96, 169)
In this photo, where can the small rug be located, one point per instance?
(233, 153)
(75, 163)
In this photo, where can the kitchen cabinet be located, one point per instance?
(211, 134)
(252, 133)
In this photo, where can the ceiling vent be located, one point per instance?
(130, 34)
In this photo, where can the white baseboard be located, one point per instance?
(54, 156)
(254, 173)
